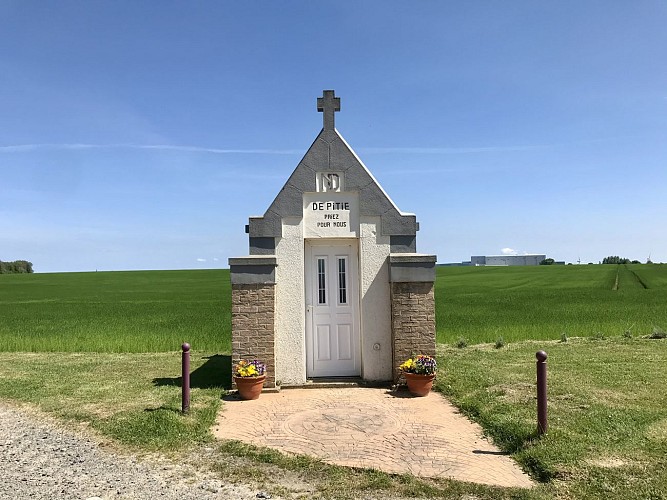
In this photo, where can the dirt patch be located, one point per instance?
(516, 393)
(658, 430)
(609, 462)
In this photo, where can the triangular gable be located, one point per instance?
(331, 153)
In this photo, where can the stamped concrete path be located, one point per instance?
(372, 428)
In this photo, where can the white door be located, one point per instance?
(332, 305)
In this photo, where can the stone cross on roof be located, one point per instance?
(328, 104)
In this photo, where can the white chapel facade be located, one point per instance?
(332, 286)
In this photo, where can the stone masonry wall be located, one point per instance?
(413, 321)
(253, 330)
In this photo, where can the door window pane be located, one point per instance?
(321, 280)
(342, 280)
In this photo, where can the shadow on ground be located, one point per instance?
(216, 372)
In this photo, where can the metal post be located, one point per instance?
(185, 377)
(542, 424)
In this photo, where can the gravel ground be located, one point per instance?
(43, 460)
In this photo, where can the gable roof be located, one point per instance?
(331, 153)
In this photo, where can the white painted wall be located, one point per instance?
(290, 327)
(374, 288)
(375, 305)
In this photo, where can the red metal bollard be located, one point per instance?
(185, 378)
(542, 424)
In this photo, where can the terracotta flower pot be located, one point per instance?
(419, 385)
(250, 387)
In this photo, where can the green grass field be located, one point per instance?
(482, 304)
(142, 311)
(155, 311)
(102, 349)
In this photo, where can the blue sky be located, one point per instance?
(141, 135)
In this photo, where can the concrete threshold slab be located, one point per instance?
(337, 382)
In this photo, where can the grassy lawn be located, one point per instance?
(608, 426)
(607, 437)
(134, 400)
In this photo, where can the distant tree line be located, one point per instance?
(615, 259)
(16, 267)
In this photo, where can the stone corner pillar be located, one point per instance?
(412, 279)
(253, 311)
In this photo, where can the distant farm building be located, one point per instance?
(507, 260)
(503, 260)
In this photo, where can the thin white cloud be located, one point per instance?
(412, 150)
(508, 251)
(201, 260)
(486, 149)
(413, 171)
(215, 259)
(20, 148)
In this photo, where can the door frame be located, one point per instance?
(354, 283)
